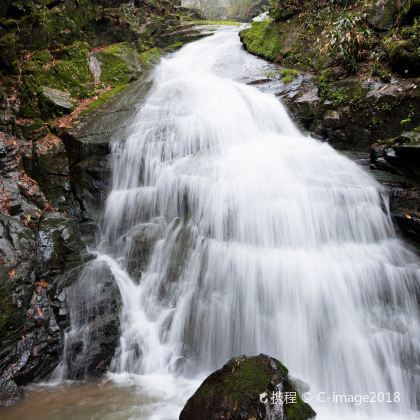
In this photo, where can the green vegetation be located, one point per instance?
(346, 40)
(118, 62)
(105, 97)
(248, 377)
(216, 22)
(69, 73)
(321, 34)
(150, 57)
(289, 75)
(346, 93)
(262, 39)
(299, 410)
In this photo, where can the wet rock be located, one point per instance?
(38, 350)
(51, 169)
(58, 244)
(383, 15)
(400, 176)
(91, 184)
(140, 243)
(352, 114)
(10, 393)
(242, 390)
(55, 102)
(94, 302)
(301, 98)
(401, 153)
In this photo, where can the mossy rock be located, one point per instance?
(284, 9)
(262, 39)
(242, 389)
(383, 15)
(119, 63)
(404, 57)
(68, 73)
(55, 102)
(11, 317)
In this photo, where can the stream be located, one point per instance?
(265, 240)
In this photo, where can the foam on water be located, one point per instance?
(266, 240)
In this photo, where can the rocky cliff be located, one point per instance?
(61, 61)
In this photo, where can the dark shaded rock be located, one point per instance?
(140, 243)
(94, 302)
(404, 57)
(352, 114)
(51, 169)
(55, 102)
(401, 154)
(91, 179)
(383, 15)
(301, 98)
(242, 390)
(8, 54)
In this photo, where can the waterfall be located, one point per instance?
(230, 232)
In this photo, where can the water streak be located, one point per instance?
(261, 239)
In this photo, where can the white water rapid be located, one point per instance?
(264, 240)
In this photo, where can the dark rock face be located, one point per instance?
(399, 157)
(242, 389)
(37, 244)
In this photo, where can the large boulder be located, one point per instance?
(256, 388)
(55, 102)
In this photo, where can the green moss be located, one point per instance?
(262, 39)
(348, 92)
(118, 63)
(175, 46)
(216, 22)
(248, 378)
(105, 97)
(299, 410)
(70, 73)
(42, 57)
(289, 75)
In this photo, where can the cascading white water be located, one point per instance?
(266, 240)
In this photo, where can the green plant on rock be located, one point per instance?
(262, 39)
(403, 50)
(289, 75)
(346, 40)
(69, 72)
